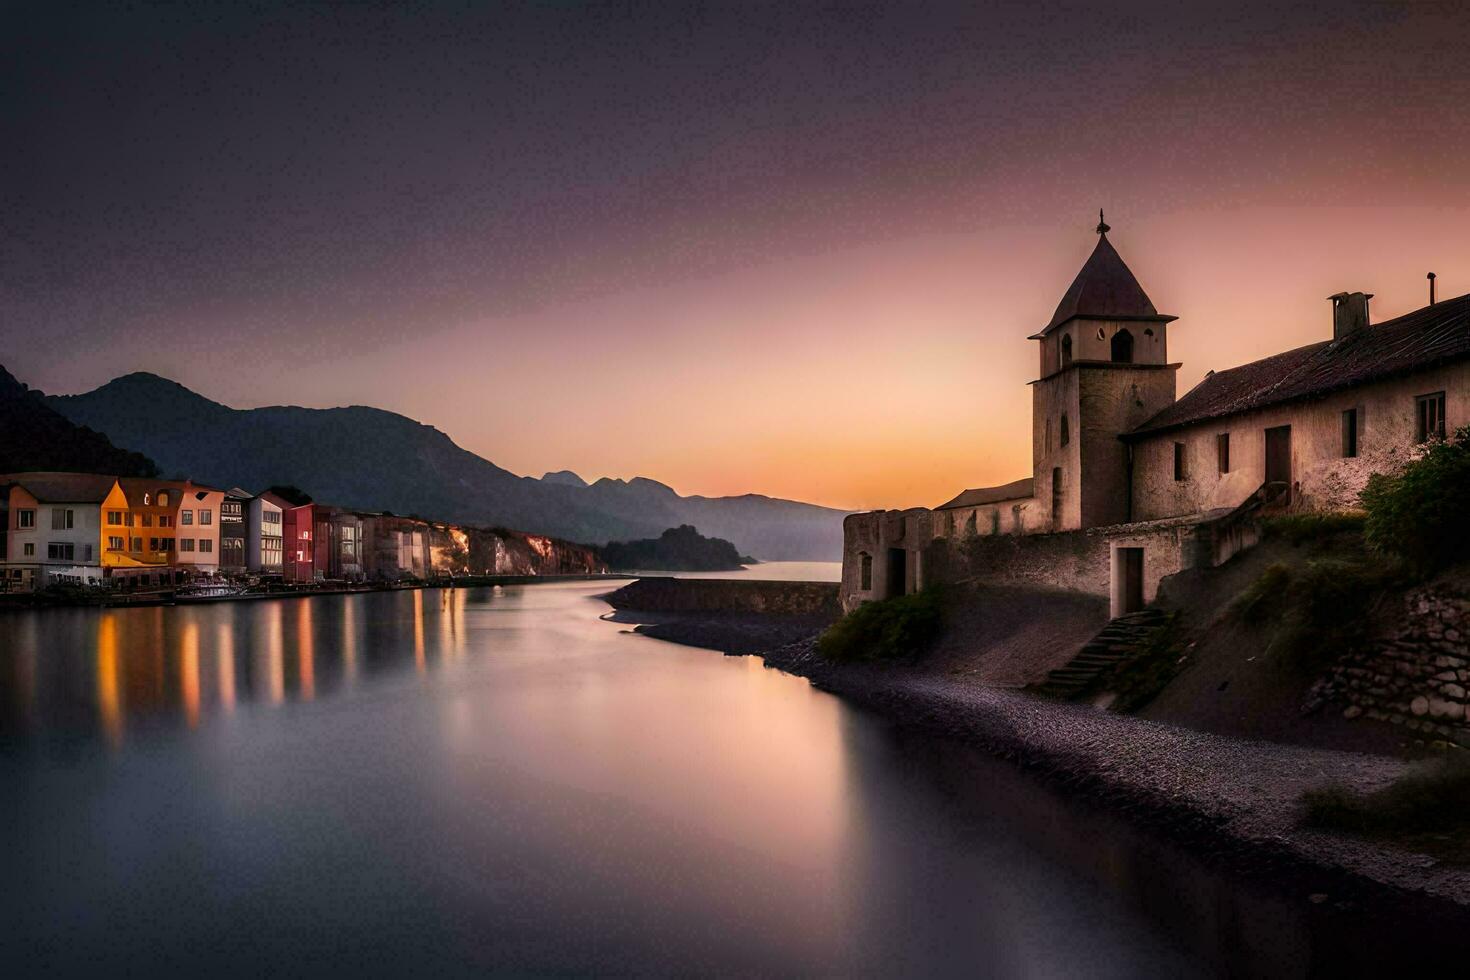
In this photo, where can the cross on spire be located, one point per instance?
(1102, 226)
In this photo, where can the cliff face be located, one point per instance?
(478, 551)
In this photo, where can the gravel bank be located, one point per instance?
(1242, 794)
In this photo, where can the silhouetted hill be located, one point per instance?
(34, 436)
(679, 549)
(376, 460)
(564, 477)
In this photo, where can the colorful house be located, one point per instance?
(233, 531)
(199, 529)
(264, 542)
(298, 552)
(338, 544)
(53, 528)
(139, 532)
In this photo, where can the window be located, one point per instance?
(60, 551)
(162, 500)
(206, 516)
(271, 516)
(206, 545)
(115, 543)
(165, 520)
(1350, 433)
(1429, 411)
(30, 549)
(152, 544)
(1179, 473)
(137, 544)
(229, 510)
(1222, 446)
(1066, 430)
(115, 518)
(1066, 349)
(186, 517)
(166, 544)
(62, 518)
(865, 570)
(147, 519)
(86, 552)
(129, 519)
(1123, 347)
(186, 544)
(25, 518)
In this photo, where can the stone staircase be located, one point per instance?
(1114, 643)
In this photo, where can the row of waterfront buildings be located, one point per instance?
(137, 533)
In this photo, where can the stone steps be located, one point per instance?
(1114, 644)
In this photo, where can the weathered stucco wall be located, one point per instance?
(878, 544)
(1322, 478)
(1071, 560)
(1114, 400)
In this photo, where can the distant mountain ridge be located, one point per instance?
(34, 436)
(378, 460)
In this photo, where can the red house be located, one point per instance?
(298, 518)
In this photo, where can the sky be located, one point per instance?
(789, 248)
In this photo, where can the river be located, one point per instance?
(451, 781)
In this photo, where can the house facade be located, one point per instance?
(234, 523)
(338, 543)
(53, 529)
(264, 536)
(139, 532)
(198, 530)
(298, 529)
(1130, 483)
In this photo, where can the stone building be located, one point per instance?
(1130, 484)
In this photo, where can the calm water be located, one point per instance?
(773, 571)
(449, 781)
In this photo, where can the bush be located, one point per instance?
(1306, 528)
(1432, 797)
(890, 629)
(1422, 513)
(1327, 609)
(1263, 596)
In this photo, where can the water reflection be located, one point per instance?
(107, 672)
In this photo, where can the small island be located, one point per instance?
(679, 549)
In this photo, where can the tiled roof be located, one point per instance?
(1018, 490)
(134, 488)
(1418, 341)
(1105, 289)
(74, 488)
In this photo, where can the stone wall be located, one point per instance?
(728, 595)
(1417, 677)
(1072, 560)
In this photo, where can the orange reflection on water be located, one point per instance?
(305, 651)
(418, 630)
(109, 701)
(349, 638)
(189, 672)
(275, 667)
(225, 655)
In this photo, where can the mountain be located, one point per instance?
(34, 436)
(564, 477)
(375, 460)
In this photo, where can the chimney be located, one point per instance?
(1430, 277)
(1349, 313)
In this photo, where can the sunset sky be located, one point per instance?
(793, 249)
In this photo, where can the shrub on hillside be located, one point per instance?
(890, 629)
(1421, 514)
(1263, 596)
(1311, 527)
(1432, 797)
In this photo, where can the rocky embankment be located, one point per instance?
(732, 616)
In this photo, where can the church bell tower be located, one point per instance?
(1104, 370)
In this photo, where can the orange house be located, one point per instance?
(139, 529)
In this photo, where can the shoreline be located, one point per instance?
(28, 601)
(1238, 799)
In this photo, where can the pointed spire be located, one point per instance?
(1102, 226)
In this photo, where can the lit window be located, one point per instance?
(206, 516)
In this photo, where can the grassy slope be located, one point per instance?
(1231, 683)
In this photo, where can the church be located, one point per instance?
(1130, 482)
